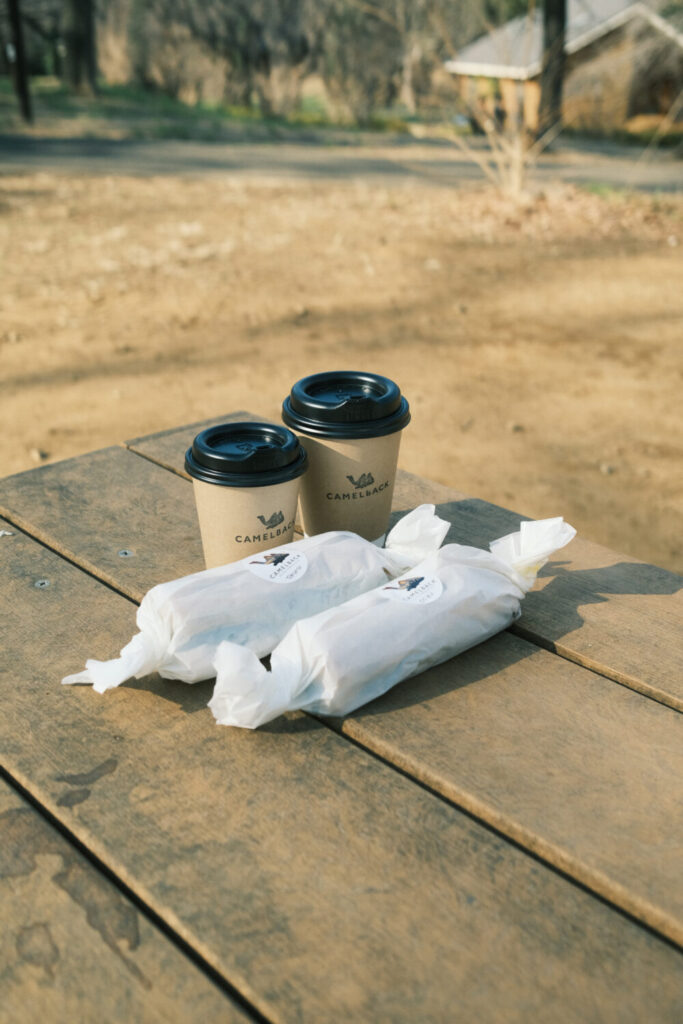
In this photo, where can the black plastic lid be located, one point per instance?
(245, 455)
(346, 404)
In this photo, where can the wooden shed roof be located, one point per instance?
(515, 49)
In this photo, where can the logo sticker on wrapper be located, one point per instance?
(278, 566)
(415, 589)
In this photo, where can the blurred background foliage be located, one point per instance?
(335, 60)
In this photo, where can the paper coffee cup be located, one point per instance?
(246, 483)
(350, 424)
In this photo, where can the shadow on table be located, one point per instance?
(554, 609)
(477, 523)
(193, 697)
(189, 697)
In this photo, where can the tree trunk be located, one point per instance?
(20, 68)
(552, 72)
(78, 28)
(406, 95)
(138, 45)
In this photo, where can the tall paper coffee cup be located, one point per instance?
(350, 424)
(246, 483)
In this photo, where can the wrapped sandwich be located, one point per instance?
(255, 601)
(338, 659)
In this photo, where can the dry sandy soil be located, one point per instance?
(539, 345)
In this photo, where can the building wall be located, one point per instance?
(633, 70)
(598, 83)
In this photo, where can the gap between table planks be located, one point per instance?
(316, 880)
(609, 729)
(74, 948)
(610, 613)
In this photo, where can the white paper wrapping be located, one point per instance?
(341, 658)
(255, 601)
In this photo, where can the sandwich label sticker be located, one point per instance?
(278, 566)
(415, 589)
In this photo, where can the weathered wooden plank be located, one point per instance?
(609, 612)
(592, 854)
(321, 883)
(74, 948)
(122, 518)
(583, 773)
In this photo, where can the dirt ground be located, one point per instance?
(540, 346)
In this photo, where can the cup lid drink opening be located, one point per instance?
(346, 404)
(245, 455)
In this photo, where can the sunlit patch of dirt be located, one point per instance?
(538, 343)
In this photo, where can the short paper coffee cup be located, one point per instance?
(351, 424)
(246, 483)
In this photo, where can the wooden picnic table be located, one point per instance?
(499, 839)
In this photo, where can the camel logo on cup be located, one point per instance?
(275, 520)
(415, 589)
(278, 566)
(272, 529)
(364, 480)
(363, 487)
